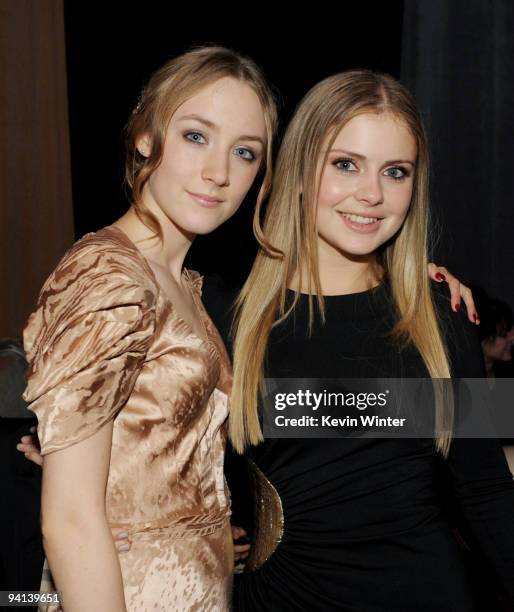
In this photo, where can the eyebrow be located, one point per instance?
(213, 126)
(359, 156)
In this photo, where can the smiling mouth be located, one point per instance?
(359, 223)
(360, 219)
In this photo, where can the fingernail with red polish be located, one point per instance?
(440, 277)
(457, 307)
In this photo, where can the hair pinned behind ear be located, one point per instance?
(168, 88)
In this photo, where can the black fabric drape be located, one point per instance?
(458, 59)
(21, 549)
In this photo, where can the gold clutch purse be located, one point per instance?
(269, 519)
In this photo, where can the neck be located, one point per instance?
(341, 273)
(169, 252)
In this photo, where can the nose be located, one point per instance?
(216, 168)
(369, 191)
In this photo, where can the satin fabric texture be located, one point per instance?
(105, 343)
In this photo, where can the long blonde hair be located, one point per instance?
(288, 245)
(169, 87)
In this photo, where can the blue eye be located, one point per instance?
(244, 153)
(346, 165)
(397, 173)
(195, 137)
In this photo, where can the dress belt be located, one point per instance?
(153, 529)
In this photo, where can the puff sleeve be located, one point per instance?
(87, 341)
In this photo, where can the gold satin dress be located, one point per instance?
(105, 343)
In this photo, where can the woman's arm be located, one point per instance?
(480, 478)
(86, 344)
(76, 536)
(483, 486)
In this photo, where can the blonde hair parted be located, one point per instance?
(169, 87)
(289, 245)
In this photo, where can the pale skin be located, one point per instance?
(213, 149)
(365, 190)
(358, 184)
(368, 172)
(217, 165)
(29, 445)
(76, 534)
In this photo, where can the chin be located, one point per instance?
(363, 247)
(201, 228)
(355, 250)
(204, 231)
(200, 222)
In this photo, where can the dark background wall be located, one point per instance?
(456, 56)
(110, 57)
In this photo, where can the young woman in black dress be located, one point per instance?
(338, 291)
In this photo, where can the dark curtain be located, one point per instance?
(458, 59)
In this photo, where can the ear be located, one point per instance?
(144, 145)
